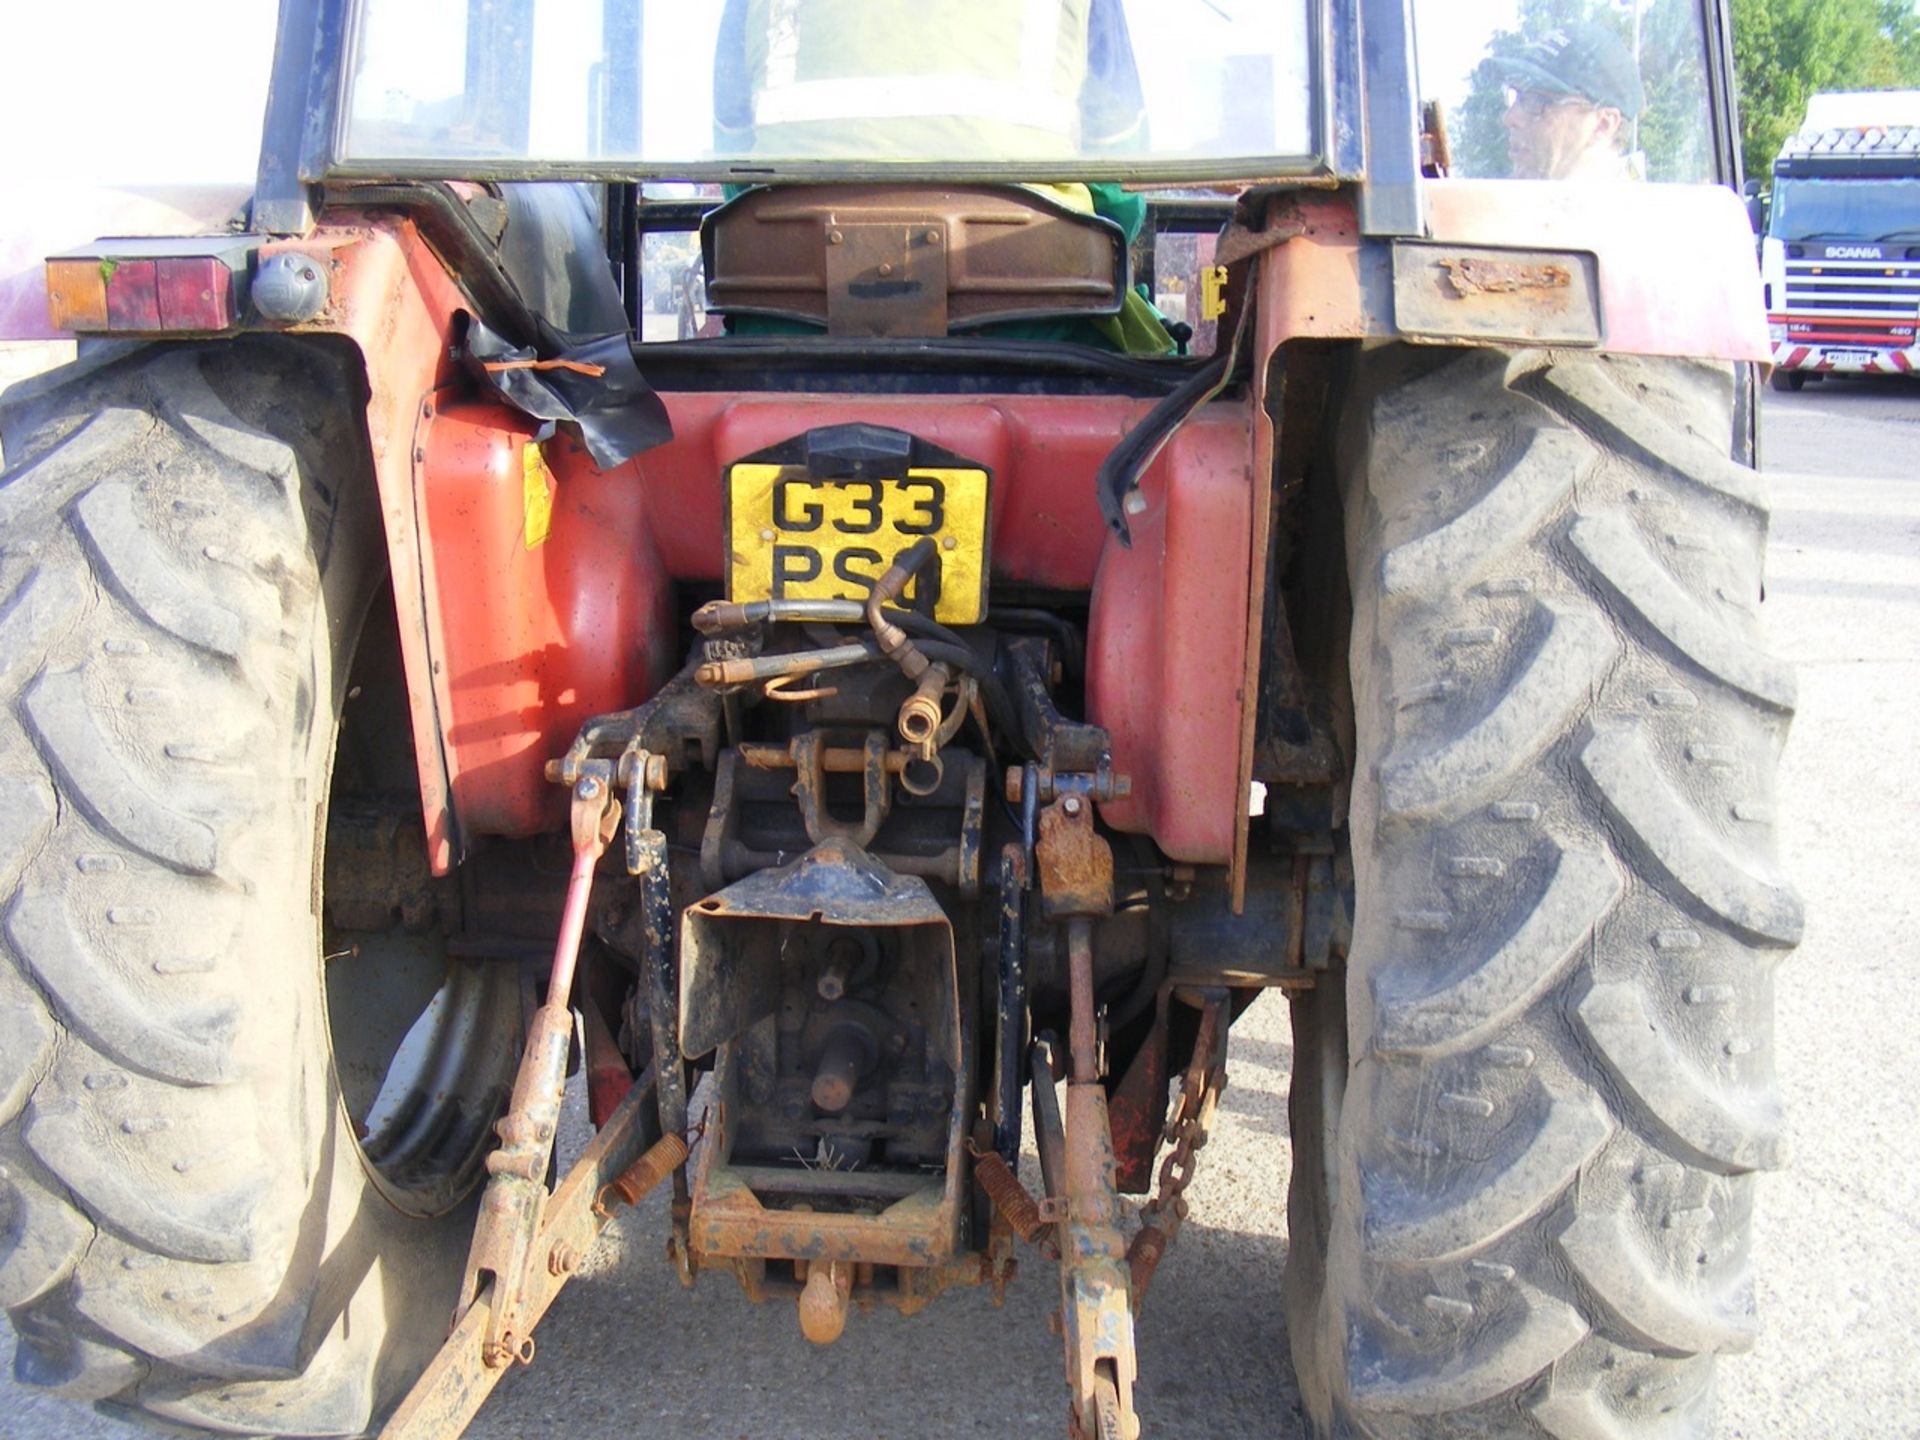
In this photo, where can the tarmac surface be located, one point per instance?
(625, 1353)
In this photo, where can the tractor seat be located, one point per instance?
(909, 262)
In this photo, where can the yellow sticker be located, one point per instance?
(1213, 292)
(536, 490)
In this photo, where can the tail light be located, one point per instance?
(148, 286)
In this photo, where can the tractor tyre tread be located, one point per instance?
(1558, 999)
(167, 674)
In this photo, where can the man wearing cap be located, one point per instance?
(1572, 99)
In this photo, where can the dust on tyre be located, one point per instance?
(1532, 1177)
(190, 1229)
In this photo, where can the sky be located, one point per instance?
(1450, 51)
(105, 114)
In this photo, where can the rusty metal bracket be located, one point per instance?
(726, 857)
(886, 279)
(810, 789)
(1074, 864)
(1067, 746)
(679, 723)
(1454, 294)
(453, 1387)
(643, 775)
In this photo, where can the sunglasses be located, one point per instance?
(1539, 102)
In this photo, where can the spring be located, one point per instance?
(1010, 1197)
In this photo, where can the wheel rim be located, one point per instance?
(419, 1043)
(423, 1042)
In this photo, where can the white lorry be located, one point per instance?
(1841, 255)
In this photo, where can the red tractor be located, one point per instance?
(1152, 512)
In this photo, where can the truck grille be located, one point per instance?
(1869, 290)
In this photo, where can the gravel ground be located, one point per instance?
(1837, 1238)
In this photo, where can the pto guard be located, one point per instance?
(745, 958)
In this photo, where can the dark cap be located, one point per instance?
(1585, 59)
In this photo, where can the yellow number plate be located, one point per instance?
(792, 537)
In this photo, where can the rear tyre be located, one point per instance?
(190, 1226)
(1785, 380)
(1524, 1172)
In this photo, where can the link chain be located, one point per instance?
(1186, 1132)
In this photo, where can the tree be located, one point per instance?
(1786, 50)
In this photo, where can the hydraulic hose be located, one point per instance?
(893, 640)
(717, 617)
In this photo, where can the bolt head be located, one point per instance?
(1071, 805)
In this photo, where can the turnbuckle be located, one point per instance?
(502, 1254)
